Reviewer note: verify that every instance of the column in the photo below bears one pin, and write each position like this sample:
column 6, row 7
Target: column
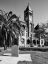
column 25, row 37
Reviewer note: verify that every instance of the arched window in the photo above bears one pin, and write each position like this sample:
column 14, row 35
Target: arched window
column 28, row 41
column 22, row 30
column 22, row 40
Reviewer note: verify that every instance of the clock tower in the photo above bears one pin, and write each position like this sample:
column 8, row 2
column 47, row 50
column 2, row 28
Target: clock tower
column 28, row 17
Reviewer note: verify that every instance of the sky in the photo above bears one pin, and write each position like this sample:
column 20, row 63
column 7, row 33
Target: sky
column 39, row 7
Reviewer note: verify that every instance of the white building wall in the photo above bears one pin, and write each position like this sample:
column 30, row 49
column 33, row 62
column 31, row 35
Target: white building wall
column 21, row 44
column 25, row 38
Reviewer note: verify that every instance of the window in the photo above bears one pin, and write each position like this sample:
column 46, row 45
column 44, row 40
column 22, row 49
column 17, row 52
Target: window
column 41, row 41
column 22, row 31
column 28, row 41
column 22, row 40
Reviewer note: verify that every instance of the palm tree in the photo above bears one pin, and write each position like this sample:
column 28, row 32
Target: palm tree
column 2, row 22
column 9, row 24
column 14, row 26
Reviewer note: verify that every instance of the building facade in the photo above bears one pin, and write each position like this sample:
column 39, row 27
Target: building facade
column 22, row 36
column 42, row 34
column 28, row 18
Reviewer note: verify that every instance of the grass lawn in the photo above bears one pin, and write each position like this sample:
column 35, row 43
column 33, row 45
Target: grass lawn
column 37, row 57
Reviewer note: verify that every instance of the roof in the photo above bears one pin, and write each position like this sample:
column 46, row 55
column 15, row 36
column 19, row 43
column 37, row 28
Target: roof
column 28, row 8
column 22, row 21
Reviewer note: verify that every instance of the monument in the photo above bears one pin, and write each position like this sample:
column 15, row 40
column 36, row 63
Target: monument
column 15, row 48
column 15, row 51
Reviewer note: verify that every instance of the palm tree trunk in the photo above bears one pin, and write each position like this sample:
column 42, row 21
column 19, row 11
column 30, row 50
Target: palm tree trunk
column 5, row 42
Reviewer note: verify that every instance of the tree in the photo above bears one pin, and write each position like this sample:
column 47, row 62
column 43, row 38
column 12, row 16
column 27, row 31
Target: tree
column 39, row 31
column 14, row 26
column 9, row 25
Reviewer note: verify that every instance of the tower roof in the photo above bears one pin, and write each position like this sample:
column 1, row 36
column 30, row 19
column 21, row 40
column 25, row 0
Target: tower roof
column 29, row 7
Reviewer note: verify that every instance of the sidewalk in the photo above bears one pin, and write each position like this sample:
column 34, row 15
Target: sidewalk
column 14, row 60
column 6, row 58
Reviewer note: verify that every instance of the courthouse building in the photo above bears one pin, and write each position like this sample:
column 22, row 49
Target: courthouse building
column 27, row 28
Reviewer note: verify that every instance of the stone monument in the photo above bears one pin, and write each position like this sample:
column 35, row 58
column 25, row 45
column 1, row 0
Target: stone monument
column 15, row 51
column 15, row 48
